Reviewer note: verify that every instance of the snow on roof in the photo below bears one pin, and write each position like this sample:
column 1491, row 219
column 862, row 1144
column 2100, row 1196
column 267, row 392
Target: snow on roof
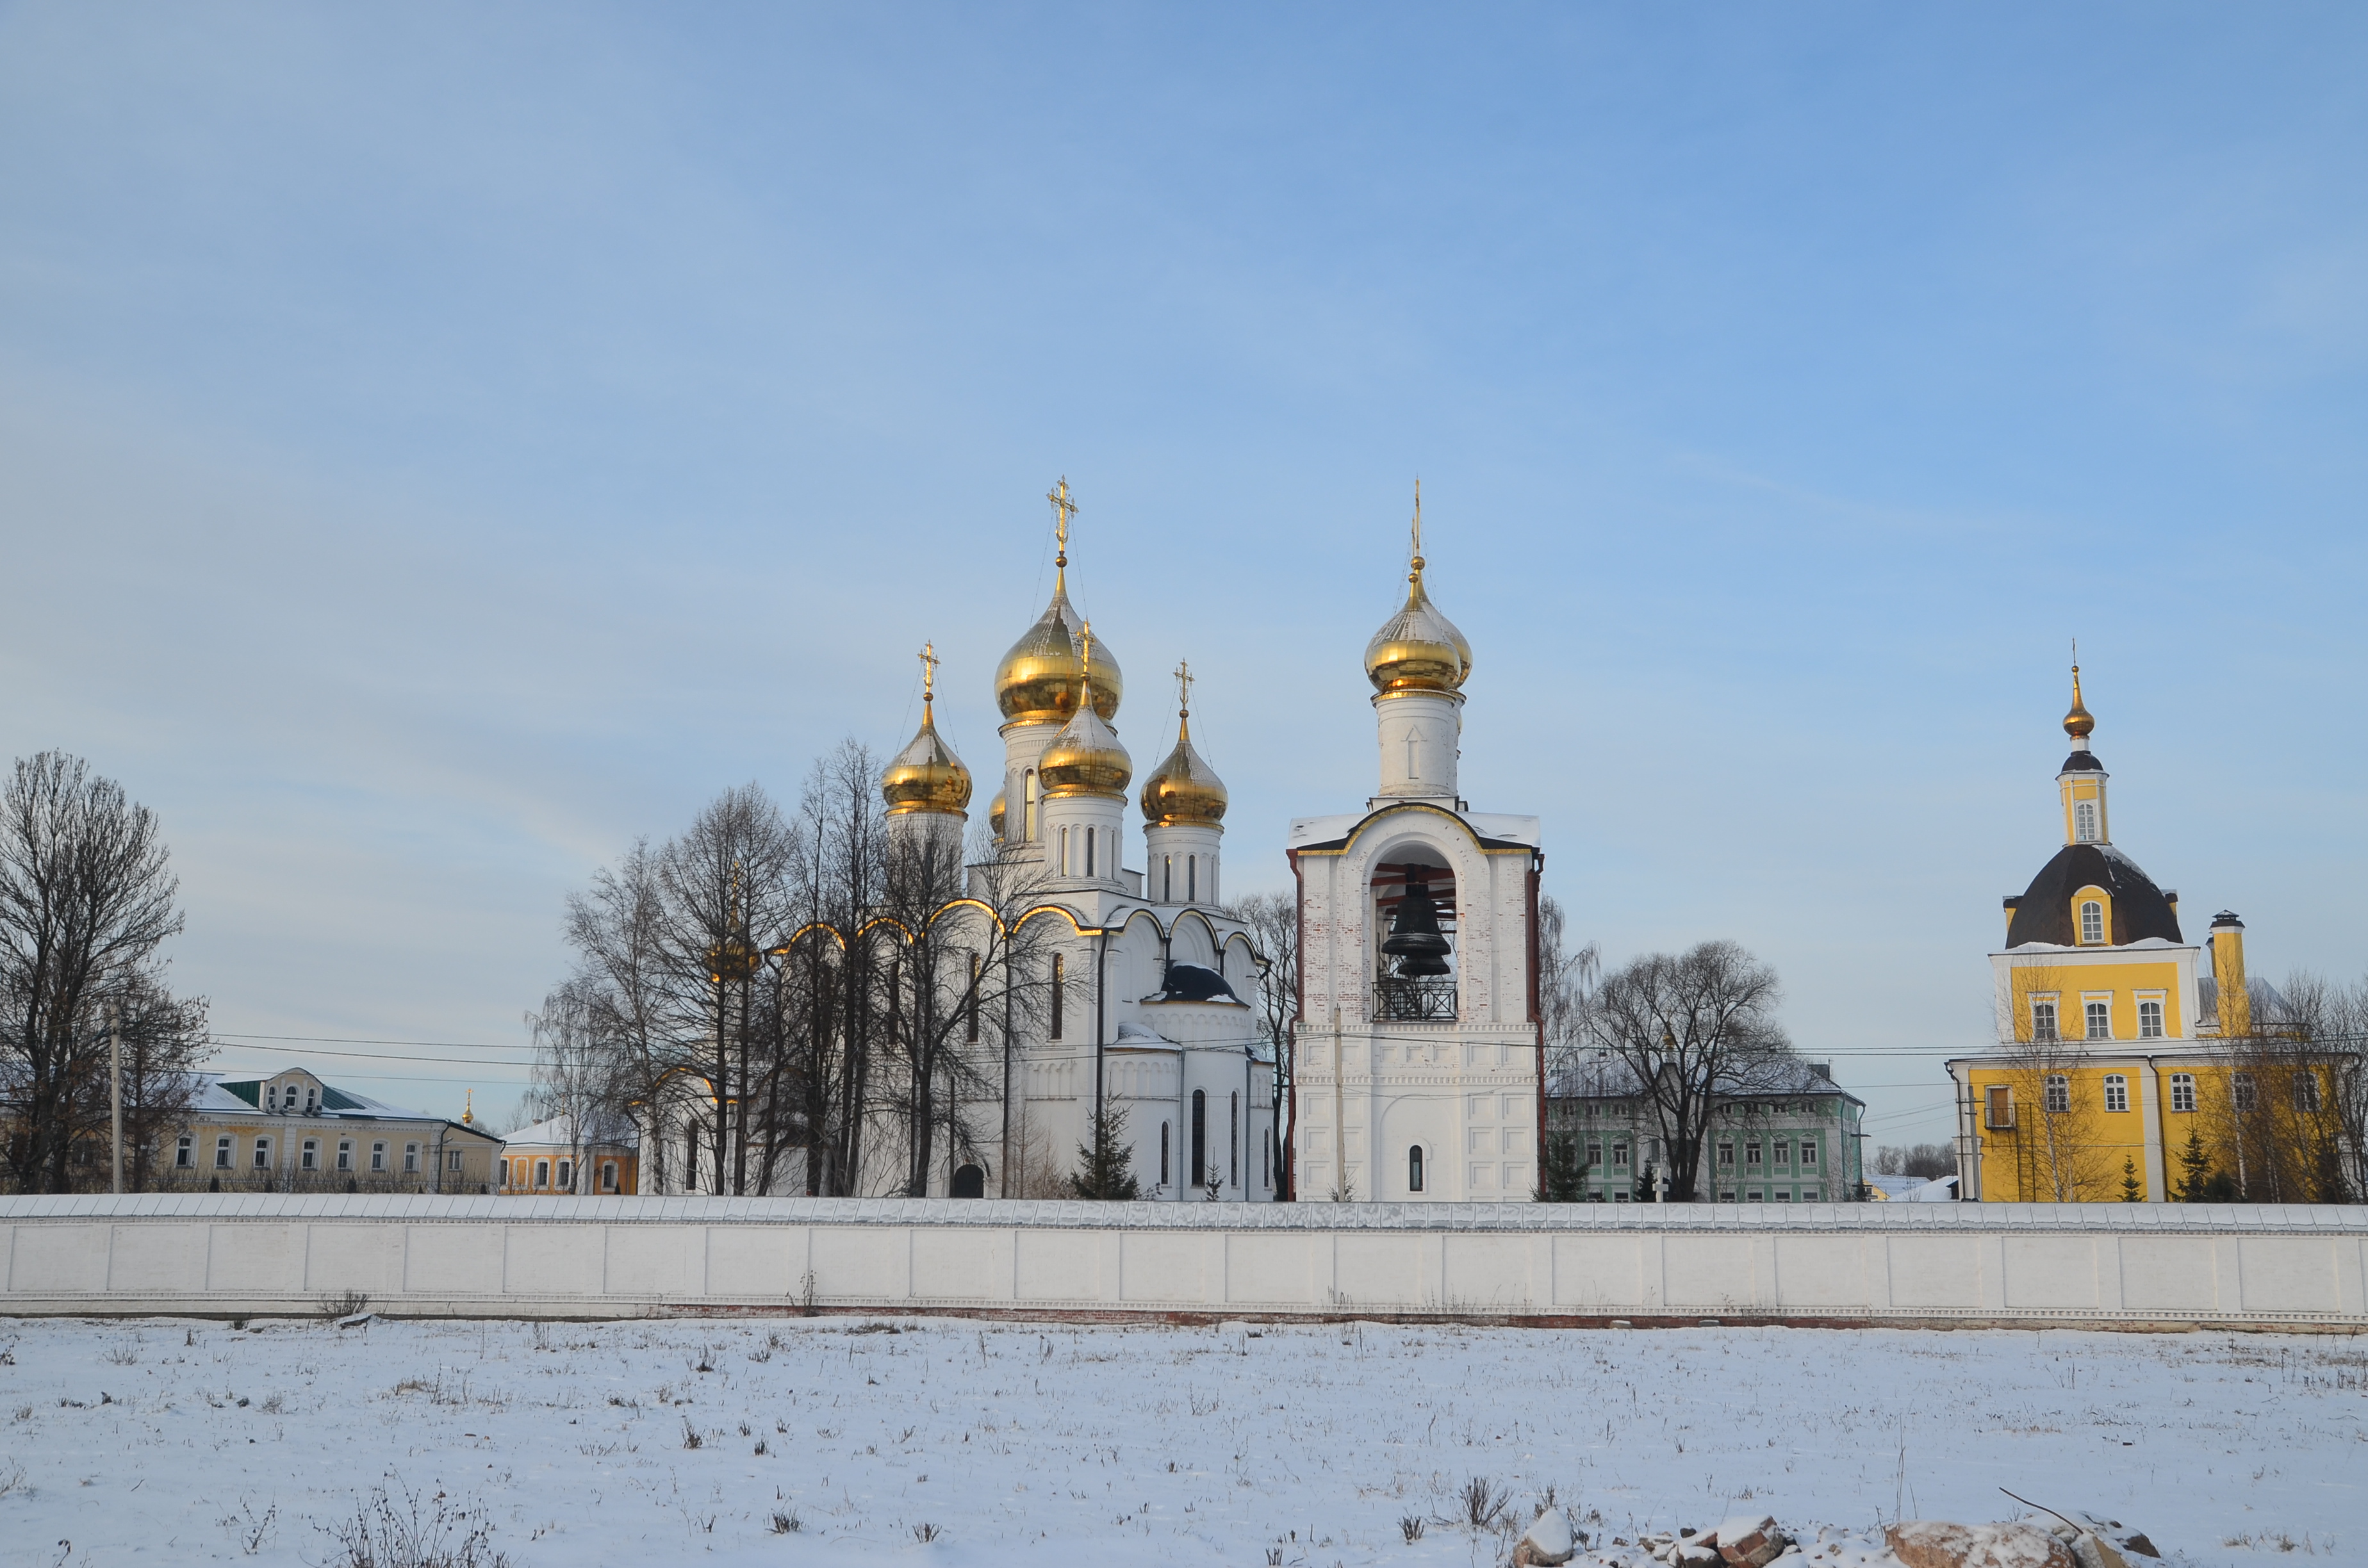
column 559, row 1132
column 235, row 1092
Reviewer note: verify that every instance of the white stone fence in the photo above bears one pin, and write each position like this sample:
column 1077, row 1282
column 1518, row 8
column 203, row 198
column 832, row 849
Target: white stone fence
column 2149, row 1265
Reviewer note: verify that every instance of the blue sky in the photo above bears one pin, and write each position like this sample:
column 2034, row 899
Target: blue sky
column 439, row 444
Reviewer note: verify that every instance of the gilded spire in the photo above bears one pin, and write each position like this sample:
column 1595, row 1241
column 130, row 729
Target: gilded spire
column 2077, row 723
column 1085, row 758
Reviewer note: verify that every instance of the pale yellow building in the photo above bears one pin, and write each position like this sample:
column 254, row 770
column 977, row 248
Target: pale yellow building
column 2128, row 1064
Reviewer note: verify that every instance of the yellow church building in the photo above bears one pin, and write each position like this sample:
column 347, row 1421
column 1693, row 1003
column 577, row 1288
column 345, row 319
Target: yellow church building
column 2129, row 1063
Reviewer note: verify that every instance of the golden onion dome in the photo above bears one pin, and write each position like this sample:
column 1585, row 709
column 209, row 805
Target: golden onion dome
column 994, row 815
column 1039, row 679
column 1417, row 649
column 1085, row 758
column 926, row 776
column 1183, row 790
column 2078, row 723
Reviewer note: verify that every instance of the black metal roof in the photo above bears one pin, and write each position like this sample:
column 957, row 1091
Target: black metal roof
column 2044, row 914
column 2082, row 761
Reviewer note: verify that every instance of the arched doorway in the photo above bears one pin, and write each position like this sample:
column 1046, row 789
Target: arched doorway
column 969, row 1181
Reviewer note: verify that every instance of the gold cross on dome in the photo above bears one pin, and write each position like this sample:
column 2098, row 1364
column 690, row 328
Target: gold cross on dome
column 928, row 672
column 1088, row 639
column 1065, row 507
column 1418, row 523
column 1183, row 687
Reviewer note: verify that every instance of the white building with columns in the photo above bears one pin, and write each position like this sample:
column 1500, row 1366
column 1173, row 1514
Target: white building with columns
column 1148, row 993
column 1419, row 1050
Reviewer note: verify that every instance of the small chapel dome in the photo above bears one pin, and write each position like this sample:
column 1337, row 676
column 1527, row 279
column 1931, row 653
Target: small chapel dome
column 994, row 815
column 926, row 776
column 1184, row 790
column 1417, row 649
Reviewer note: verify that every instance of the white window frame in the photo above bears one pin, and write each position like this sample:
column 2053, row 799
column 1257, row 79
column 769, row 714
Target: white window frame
column 2091, row 1005
column 411, row 1159
column 452, row 1159
column 2086, row 817
column 1620, row 1156
column 185, row 1152
column 225, row 1153
column 2057, row 1091
column 378, row 1157
column 2117, row 1093
column 1755, row 1155
column 2182, row 1091
column 2092, row 922
column 566, row 1182
column 2153, row 1016
column 1808, row 1155
column 2046, row 1017
column 608, row 1176
column 543, row 1176
column 344, row 1154
column 2244, row 1092
column 308, row 1157
column 2307, row 1096
column 1780, row 1153
column 263, row 1153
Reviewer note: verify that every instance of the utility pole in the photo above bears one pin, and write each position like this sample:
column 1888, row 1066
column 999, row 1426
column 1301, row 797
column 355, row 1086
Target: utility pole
column 115, row 1091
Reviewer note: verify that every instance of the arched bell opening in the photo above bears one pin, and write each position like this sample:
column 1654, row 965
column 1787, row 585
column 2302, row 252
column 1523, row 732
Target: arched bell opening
column 1413, row 910
column 969, row 1181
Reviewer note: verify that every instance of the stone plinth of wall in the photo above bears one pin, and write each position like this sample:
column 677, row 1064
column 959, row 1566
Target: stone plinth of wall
column 2098, row 1265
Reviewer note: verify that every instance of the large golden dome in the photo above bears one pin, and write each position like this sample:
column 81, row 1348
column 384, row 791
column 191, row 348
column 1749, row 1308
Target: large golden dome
column 1039, row 678
column 1183, row 789
column 926, row 776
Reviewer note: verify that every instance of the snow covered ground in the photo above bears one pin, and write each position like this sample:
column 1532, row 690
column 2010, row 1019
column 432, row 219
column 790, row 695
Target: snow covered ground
column 168, row 1441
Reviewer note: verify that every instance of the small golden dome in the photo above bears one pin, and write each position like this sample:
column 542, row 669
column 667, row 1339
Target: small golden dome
column 1038, row 680
column 2078, row 723
column 1085, row 758
column 926, row 776
column 1417, row 649
column 994, row 815
column 1183, row 790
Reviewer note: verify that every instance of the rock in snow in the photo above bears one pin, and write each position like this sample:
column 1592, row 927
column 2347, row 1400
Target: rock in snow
column 1935, row 1543
column 1752, row 1541
column 1548, row 1540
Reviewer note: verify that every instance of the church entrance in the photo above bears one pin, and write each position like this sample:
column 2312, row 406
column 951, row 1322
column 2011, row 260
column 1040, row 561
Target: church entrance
column 970, row 1182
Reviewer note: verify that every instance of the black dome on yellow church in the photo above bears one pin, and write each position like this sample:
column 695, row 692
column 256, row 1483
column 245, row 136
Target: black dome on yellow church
column 2140, row 909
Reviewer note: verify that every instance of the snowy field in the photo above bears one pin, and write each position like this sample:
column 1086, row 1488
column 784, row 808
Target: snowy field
column 939, row 1441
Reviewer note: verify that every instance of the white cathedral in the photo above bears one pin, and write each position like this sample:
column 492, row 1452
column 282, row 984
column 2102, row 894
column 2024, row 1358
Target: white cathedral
column 1417, row 1041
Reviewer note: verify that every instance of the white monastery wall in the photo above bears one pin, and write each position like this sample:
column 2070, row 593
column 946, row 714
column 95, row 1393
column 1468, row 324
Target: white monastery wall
column 2140, row 1266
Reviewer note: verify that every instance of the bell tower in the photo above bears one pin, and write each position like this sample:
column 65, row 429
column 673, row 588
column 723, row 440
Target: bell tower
column 1419, row 1069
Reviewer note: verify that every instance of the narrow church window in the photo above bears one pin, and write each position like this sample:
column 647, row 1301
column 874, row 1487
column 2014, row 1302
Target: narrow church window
column 1062, row 860
column 2240, row 1090
column 2084, row 821
column 2092, row 922
column 1192, row 878
column 1167, row 879
column 1199, row 1138
column 2182, row 1091
column 2117, row 1092
column 1028, row 804
column 970, row 1005
column 1162, row 1153
column 2100, row 1020
column 1233, row 1143
column 1414, row 1168
column 1090, row 852
column 1060, row 979
column 2149, row 1020
column 2059, row 1094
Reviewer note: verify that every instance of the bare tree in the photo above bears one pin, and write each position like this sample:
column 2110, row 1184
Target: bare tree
column 578, row 1072
column 1272, row 919
column 2049, row 1129
column 87, row 898
column 1566, row 987
column 617, row 929
column 1929, row 1162
column 1690, row 1028
column 164, row 1038
column 2281, row 1120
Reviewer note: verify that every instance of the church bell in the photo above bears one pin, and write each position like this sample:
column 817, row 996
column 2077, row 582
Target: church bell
column 1415, row 939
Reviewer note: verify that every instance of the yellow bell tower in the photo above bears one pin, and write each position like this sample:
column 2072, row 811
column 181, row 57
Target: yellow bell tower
column 2081, row 780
